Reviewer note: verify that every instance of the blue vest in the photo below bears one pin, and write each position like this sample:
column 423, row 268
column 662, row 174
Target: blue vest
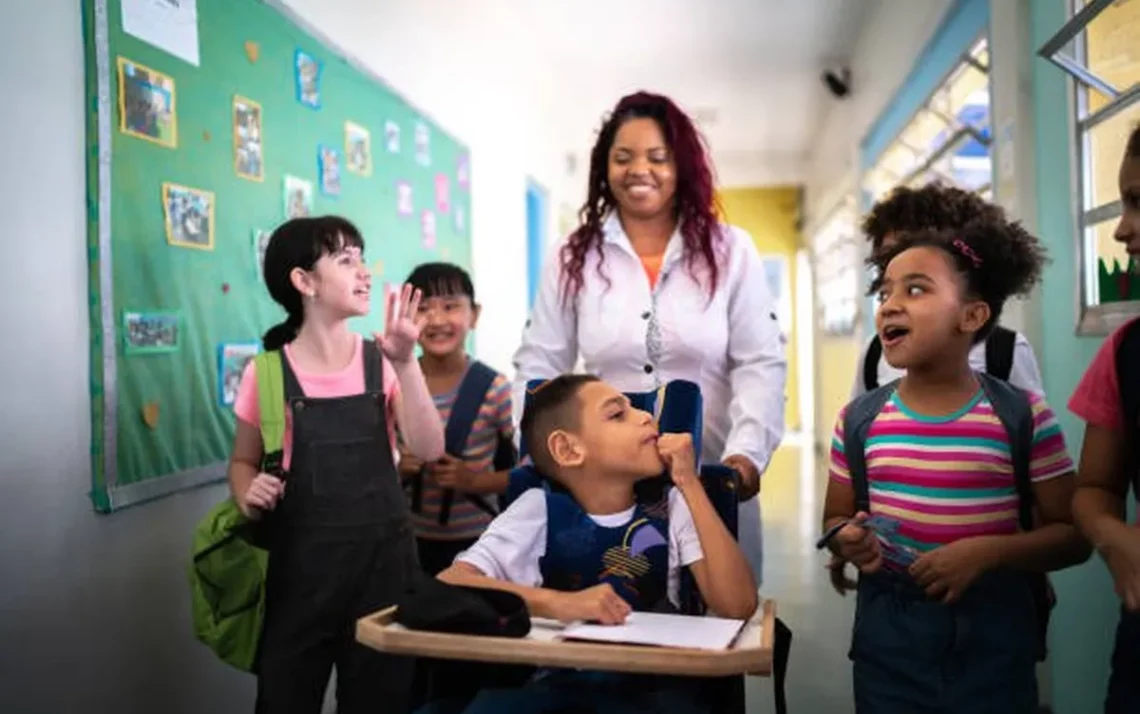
column 633, row 558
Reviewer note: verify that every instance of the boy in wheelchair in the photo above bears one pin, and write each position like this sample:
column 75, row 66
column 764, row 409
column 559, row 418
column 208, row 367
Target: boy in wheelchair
column 587, row 549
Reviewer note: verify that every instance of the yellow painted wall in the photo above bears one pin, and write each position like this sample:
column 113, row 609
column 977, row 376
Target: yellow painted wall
column 837, row 362
column 770, row 215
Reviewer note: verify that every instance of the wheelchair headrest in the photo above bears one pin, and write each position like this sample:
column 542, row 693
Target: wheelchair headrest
column 677, row 406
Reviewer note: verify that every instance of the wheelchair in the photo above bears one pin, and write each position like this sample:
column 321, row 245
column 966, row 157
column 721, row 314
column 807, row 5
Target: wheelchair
column 677, row 407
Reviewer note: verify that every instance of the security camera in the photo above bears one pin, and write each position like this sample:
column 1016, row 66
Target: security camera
column 838, row 83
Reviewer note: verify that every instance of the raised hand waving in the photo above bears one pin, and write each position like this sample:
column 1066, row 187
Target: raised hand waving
column 401, row 328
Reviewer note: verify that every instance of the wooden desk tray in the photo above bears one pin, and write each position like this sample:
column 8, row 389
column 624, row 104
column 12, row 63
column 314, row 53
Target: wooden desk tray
column 750, row 654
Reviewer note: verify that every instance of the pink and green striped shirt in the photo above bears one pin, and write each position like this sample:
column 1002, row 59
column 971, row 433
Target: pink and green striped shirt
column 947, row 478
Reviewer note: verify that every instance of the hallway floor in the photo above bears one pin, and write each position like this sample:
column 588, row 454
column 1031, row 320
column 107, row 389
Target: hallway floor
column 819, row 673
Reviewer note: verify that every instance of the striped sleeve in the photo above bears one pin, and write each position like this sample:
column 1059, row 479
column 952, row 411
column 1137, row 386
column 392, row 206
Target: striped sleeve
column 500, row 399
column 1049, row 457
column 837, row 468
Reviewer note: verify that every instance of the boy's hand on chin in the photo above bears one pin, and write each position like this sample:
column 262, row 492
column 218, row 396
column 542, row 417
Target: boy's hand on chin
column 677, row 452
column 597, row 604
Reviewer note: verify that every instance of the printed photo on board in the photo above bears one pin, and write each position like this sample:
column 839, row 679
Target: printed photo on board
column 150, row 332
column 460, row 220
column 298, row 197
column 232, row 359
column 357, row 149
column 146, row 104
column 247, row 139
column 260, row 243
column 463, row 172
column 442, row 193
column 404, row 205
column 189, row 216
column 308, row 76
column 328, row 164
column 427, row 225
column 423, row 144
column 392, row 137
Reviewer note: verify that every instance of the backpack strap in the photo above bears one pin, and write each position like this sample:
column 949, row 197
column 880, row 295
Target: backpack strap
column 469, row 401
column 999, row 352
column 871, row 364
column 856, row 425
column 1128, row 376
column 271, row 410
column 1011, row 405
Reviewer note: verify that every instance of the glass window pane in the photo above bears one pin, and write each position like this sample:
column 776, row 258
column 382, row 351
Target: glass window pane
column 1106, row 144
column 1114, row 279
column 1112, row 47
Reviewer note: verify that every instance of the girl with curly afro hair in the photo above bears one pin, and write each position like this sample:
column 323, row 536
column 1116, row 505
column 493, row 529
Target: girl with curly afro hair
column 952, row 603
column 652, row 287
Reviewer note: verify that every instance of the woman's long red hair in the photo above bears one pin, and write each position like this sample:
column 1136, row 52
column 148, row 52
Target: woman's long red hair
column 694, row 205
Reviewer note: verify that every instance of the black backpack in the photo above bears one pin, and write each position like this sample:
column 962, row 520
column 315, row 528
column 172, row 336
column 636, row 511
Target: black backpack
column 1011, row 405
column 999, row 357
column 1128, row 375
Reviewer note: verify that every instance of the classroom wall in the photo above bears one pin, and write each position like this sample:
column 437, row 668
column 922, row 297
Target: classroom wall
column 771, row 215
column 94, row 610
column 1082, row 627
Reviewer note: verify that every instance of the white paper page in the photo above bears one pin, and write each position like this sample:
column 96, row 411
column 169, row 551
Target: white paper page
column 170, row 25
column 648, row 628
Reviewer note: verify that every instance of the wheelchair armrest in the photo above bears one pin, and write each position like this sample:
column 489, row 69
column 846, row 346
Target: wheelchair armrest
column 722, row 484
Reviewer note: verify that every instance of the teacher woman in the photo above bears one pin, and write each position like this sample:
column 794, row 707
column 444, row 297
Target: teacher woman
column 651, row 287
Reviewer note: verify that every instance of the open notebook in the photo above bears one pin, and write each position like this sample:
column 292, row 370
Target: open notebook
column 654, row 629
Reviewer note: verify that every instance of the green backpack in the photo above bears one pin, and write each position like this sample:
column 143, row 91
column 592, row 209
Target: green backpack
column 228, row 566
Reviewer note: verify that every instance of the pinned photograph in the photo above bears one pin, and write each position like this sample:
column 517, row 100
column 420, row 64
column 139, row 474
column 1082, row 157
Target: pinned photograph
column 189, row 216
column 328, row 163
column 308, row 77
column 427, row 226
column 404, row 205
column 460, row 220
column 260, row 245
column 357, row 149
column 442, row 193
column 298, row 197
column 232, row 359
column 151, row 332
column 392, row 137
column 423, row 144
column 463, row 172
column 147, row 104
column 247, row 139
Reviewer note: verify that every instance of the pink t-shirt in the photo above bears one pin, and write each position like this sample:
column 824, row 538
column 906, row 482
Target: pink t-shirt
column 1096, row 399
column 345, row 383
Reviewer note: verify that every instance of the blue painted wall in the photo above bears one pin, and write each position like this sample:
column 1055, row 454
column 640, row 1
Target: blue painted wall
column 1082, row 627
column 535, row 238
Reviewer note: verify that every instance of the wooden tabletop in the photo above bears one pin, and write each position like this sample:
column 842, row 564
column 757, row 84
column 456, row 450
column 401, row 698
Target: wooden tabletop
column 751, row 653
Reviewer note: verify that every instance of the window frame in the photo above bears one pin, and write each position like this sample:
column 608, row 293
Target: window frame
column 840, row 224
column 1093, row 318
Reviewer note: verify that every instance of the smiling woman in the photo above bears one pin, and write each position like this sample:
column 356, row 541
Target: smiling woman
column 651, row 287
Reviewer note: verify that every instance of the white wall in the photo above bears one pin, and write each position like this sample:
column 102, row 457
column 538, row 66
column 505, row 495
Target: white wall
column 94, row 610
column 893, row 35
column 474, row 69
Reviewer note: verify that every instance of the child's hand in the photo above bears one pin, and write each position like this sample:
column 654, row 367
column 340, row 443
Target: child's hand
column 837, row 573
column 859, row 545
column 262, row 495
column 409, row 465
column 597, row 604
column 677, row 452
column 450, row 472
column 401, row 328
column 946, row 572
column 1122, row 555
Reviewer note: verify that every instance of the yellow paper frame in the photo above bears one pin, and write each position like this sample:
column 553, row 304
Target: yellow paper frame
column 259, row 178
column 173, row 141
column 348, row 165
column 167, row 188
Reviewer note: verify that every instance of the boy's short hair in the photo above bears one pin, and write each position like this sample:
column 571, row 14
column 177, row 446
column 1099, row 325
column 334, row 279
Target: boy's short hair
column 934, row 207
column 551, row 406
column 442, row 280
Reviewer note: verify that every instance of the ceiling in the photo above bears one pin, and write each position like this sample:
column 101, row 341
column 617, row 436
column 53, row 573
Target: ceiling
column 748, row 70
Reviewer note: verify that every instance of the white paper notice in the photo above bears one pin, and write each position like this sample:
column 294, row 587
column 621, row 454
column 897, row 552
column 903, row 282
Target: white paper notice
column 649, row 628
column 170, row 25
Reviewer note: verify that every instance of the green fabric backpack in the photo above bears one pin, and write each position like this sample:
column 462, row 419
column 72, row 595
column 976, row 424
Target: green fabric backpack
column 228, row 564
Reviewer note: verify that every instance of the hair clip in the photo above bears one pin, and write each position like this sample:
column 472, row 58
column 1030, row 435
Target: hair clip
column 968, row 252
column 535, row 390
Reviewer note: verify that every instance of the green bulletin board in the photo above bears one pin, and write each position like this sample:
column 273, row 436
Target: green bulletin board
column 190, row 167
